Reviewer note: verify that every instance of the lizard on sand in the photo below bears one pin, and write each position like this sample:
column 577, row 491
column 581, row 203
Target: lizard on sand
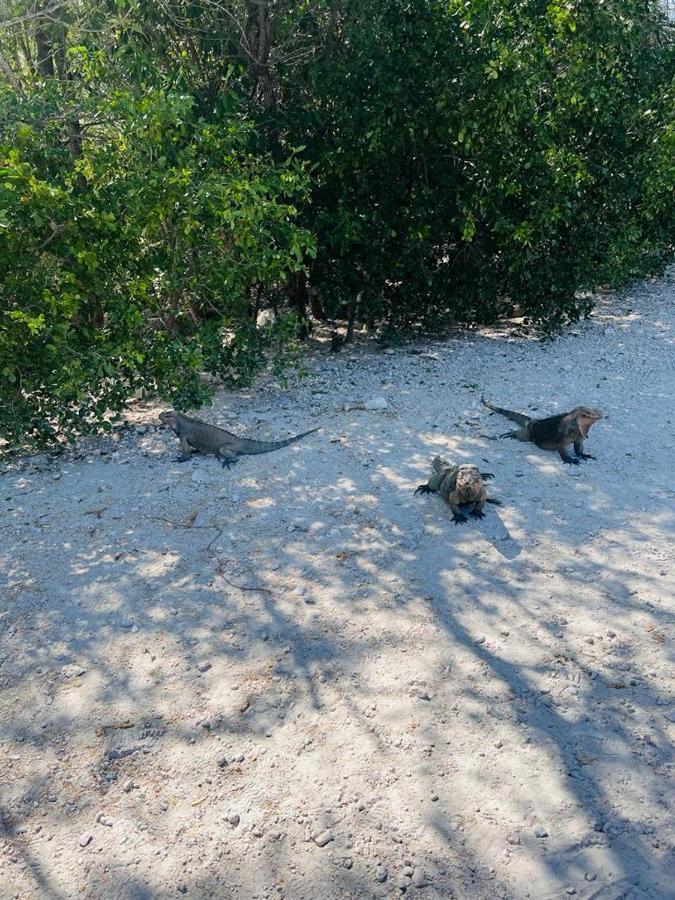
column 461, row 487
column 205, row 438
column 555, row 432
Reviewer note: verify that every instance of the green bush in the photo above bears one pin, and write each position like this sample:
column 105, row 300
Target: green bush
column 134, row 265
column 473, row 154
column 168, row 170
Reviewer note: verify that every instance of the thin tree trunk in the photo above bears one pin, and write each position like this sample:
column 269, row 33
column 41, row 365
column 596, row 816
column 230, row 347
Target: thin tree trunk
column 9, row 75
column 353, row 312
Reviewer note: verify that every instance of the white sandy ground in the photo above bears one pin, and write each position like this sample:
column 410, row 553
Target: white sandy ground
column 303, row 643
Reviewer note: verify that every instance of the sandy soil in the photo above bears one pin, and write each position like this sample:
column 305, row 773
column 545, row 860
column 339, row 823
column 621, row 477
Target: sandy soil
column 296, row 679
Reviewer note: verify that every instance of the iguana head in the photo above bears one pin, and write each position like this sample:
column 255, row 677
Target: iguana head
column 468, row 480
column 169, row 418
column 585, row 417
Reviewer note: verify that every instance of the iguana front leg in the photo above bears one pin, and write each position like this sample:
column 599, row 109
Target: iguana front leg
column 477, row 511
column 458, row 517
column 579, row 450
column 567, row 457
column 185, row 450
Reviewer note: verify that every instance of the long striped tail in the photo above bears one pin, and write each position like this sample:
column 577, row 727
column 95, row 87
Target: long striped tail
column 250, row 447
column 517, row 417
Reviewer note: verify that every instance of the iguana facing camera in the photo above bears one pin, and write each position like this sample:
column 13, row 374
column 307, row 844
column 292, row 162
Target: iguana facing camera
column 461, row 487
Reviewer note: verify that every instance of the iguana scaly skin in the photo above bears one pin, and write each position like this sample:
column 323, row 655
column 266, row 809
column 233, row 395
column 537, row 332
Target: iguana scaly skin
column 461, row 487
column 205, row 438
column 554, row 433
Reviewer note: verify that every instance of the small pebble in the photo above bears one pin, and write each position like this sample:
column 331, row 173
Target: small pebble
column 85, row 839
column 275, row 835
column 181, row 888
column 234, row 820
column 324, row 838
column 128, row 786
column 540, row 832
column 348, row 862
column 222, row 762
column 381, row 874
column 204, row 667
column 408, row 870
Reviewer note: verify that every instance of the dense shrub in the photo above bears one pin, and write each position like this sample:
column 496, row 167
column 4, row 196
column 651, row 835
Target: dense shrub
column 167, row 170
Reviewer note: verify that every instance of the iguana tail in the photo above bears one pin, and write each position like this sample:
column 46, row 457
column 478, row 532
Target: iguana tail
column 514, row 416
column 440, row 464
column 250, row 447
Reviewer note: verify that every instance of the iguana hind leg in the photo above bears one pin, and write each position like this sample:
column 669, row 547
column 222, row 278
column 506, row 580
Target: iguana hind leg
column 227, row 459
column 520, row 434
column 579, row 450
column 424, row 489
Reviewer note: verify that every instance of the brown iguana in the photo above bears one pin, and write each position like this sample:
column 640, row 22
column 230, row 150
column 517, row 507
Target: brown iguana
column 461, row 487
column 205, row 438
column 555, row 432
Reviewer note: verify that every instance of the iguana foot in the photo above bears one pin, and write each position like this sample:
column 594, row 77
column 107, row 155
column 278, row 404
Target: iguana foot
column 460, row 520
column 486, row 476
column 180, row 458
column 585, row 456
column 570, row 460
column 230, row 461
column 478, row 514
column 424, row 489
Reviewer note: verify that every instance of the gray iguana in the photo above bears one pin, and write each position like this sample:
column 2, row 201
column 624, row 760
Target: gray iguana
column 462, row 488
column 555, row 432
column 205, row 438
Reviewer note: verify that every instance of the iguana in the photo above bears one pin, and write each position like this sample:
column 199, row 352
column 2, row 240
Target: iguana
column 205, row 438
column 555, row 432
column 461, row 487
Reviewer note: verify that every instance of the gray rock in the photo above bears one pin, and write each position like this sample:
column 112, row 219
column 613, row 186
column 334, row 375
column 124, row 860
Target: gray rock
column 181, row 888
column 324, row 838
column 234, row 820
column 128, row 786
column 540, row 831
column 275, row 835
column 381, row 874
column 408, row 870
column 85, row 839
column 402, row 884
column 348, row 862
column 418, row 878
column 204, row 667
column 222, row 762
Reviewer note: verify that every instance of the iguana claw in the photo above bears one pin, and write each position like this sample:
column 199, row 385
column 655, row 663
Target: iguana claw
column 424, row 489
